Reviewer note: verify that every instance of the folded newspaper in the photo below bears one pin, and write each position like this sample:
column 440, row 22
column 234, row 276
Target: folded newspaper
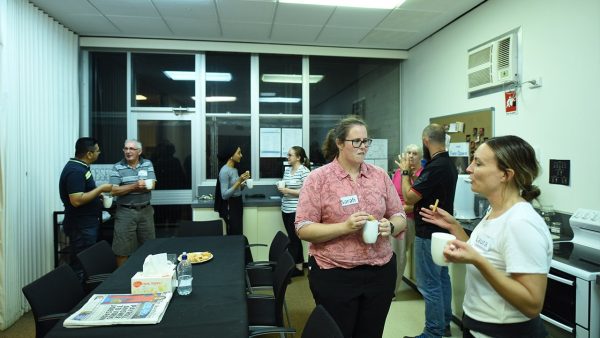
column 114, row 309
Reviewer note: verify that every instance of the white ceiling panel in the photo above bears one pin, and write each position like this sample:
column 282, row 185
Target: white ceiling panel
column 246, row 31
column 302, row 15
column 258, row 21
column 201, row 10
column 191, row 28
column 298, row 33
column 125, row 7
column 246, row 11
column 356, row 17
column 339, row 36
column 140, row 26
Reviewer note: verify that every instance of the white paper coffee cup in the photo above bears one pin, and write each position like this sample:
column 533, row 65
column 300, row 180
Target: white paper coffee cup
column 107, row 200
column 149, row 183
column 250, row 183
column 370, row 232
column 280, row 184
column 438, row 243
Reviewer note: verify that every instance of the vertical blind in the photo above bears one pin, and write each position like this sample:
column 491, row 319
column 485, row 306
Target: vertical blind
column 39, row 119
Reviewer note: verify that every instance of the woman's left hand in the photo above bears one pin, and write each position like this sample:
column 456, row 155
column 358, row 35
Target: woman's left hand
column 460, row 252
column 385, row 227
column 283, row 191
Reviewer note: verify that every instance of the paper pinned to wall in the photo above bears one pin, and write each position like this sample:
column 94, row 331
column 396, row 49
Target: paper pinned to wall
column 290, row 137
column 458, row 149
column 378, row 149
column 270, row 142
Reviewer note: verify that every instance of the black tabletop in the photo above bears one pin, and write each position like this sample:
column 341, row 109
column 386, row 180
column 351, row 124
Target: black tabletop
column 215, row 308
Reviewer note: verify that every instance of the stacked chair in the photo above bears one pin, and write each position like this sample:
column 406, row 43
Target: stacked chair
column 98, row 262
column 52, row 296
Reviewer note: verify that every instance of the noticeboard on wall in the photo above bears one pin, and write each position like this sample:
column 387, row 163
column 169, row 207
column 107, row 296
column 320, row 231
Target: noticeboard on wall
column 472, row 127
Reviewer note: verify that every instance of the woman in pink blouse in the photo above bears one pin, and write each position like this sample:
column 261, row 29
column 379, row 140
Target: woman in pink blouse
column 353, row 280
column 403, row 244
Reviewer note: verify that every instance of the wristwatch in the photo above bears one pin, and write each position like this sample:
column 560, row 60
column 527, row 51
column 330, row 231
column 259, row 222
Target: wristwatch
column 405, row 172
column 392, row 227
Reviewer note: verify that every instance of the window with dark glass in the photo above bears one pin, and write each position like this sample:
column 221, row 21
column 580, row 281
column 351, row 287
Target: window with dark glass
column 227, row 83
column 163, row 80
column 108, row 103
column 280, row 90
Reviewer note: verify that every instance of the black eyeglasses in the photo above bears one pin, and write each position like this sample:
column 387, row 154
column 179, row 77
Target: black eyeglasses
column 358, row 142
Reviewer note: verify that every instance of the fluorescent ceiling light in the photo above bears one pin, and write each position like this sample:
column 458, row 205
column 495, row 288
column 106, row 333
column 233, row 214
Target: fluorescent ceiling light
column 263, row 94
column 139, row 97
column 279, row 99
column 381, row 4
column 290, row 78
column 221, row 99
column 191, row 76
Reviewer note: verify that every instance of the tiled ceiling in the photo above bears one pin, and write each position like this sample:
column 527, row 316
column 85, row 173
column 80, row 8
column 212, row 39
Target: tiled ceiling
column 260, row 21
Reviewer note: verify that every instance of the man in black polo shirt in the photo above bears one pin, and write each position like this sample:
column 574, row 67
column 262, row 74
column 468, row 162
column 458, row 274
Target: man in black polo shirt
column 436, row 182
column 80, row 196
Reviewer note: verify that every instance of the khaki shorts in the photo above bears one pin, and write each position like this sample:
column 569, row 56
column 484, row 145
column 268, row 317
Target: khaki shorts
column 132, row 228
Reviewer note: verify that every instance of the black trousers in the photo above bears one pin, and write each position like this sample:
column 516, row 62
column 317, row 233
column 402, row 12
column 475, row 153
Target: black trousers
column 358, row 299
column 295, row 247
column 235, row 219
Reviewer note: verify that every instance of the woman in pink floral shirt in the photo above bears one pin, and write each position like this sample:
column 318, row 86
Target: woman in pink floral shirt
column 353, row 280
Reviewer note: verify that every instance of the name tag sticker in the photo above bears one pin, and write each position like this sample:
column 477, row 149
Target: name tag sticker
column 143, row 173
column 483, row 242
column 349, row 200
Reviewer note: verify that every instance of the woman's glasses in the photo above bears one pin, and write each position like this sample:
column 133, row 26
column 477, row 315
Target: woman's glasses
column 357, row 143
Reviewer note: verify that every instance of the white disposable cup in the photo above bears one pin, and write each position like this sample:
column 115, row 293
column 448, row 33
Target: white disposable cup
column 250, row 183
column 107, row 200
column 438, row 243
column 280, row 184
column 370, row 232
column 149, row 183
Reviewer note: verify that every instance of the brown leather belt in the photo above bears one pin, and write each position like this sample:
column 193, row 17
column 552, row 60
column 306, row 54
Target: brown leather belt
column 136, row 207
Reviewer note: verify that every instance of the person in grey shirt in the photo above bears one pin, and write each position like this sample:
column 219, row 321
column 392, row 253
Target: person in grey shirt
column 228, row 191
column 134, row 219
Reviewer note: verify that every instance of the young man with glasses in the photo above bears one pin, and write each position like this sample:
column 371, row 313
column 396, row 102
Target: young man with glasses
column 134, row 218
column 81, row 198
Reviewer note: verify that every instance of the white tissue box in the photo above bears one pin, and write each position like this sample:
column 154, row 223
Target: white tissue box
column 153, row 284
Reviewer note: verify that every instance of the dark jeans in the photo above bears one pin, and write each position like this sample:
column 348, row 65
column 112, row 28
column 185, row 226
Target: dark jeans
column 83, row 233
column 358, row 299
column 235, row 219
column 295, row 247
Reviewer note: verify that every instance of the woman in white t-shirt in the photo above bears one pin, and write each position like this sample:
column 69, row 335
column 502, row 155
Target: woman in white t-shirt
column 293, row 178
column 509, row 252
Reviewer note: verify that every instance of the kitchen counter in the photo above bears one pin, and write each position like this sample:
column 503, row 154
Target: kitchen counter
column 267, row 201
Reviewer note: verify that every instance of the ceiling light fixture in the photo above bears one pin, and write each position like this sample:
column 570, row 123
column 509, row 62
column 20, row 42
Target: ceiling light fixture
column 290, row 78
column 380, row 4
column 279, row 99
column 140, row 97
column 221, row 99
column 191, row 76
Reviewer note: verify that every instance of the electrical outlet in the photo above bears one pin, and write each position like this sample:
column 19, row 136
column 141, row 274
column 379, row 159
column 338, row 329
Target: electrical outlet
column 537, row 84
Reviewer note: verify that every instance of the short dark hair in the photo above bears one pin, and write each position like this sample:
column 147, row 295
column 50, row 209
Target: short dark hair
column 85, row 144
column 435, row 133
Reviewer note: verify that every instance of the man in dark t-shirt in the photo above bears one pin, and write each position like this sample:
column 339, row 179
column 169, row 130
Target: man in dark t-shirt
column 436, row 182
column 80, row 197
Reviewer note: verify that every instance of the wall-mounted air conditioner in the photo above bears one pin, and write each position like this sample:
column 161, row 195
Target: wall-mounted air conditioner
column 493, row 64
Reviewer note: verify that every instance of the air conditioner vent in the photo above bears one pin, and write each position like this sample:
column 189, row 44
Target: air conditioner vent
column 480, row 77
column 504, row 53
column 492, row 64
column 481, row 57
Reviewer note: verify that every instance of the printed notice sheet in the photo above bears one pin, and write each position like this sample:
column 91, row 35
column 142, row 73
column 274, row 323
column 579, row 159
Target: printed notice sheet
column 117, row 309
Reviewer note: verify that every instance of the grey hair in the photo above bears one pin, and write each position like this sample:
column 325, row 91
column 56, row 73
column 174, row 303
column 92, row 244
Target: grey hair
column 138, row 144
column 414, row 147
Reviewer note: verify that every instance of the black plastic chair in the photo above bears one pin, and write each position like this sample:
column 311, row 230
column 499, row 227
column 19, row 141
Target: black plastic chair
column 98, row 262
column 320, row 324
column 52, row 296
column 265, row 312
column 199, row 228
column 260, row 273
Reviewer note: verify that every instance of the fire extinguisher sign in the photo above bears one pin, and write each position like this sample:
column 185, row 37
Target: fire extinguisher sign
column 510, row 101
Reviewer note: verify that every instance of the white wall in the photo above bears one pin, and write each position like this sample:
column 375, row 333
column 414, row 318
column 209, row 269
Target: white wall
column 559, row 41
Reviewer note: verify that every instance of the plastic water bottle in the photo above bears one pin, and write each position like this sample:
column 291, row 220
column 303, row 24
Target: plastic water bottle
column 184, row 276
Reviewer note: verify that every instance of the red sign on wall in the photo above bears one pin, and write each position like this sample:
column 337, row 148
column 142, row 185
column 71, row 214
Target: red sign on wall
column 510, row 101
